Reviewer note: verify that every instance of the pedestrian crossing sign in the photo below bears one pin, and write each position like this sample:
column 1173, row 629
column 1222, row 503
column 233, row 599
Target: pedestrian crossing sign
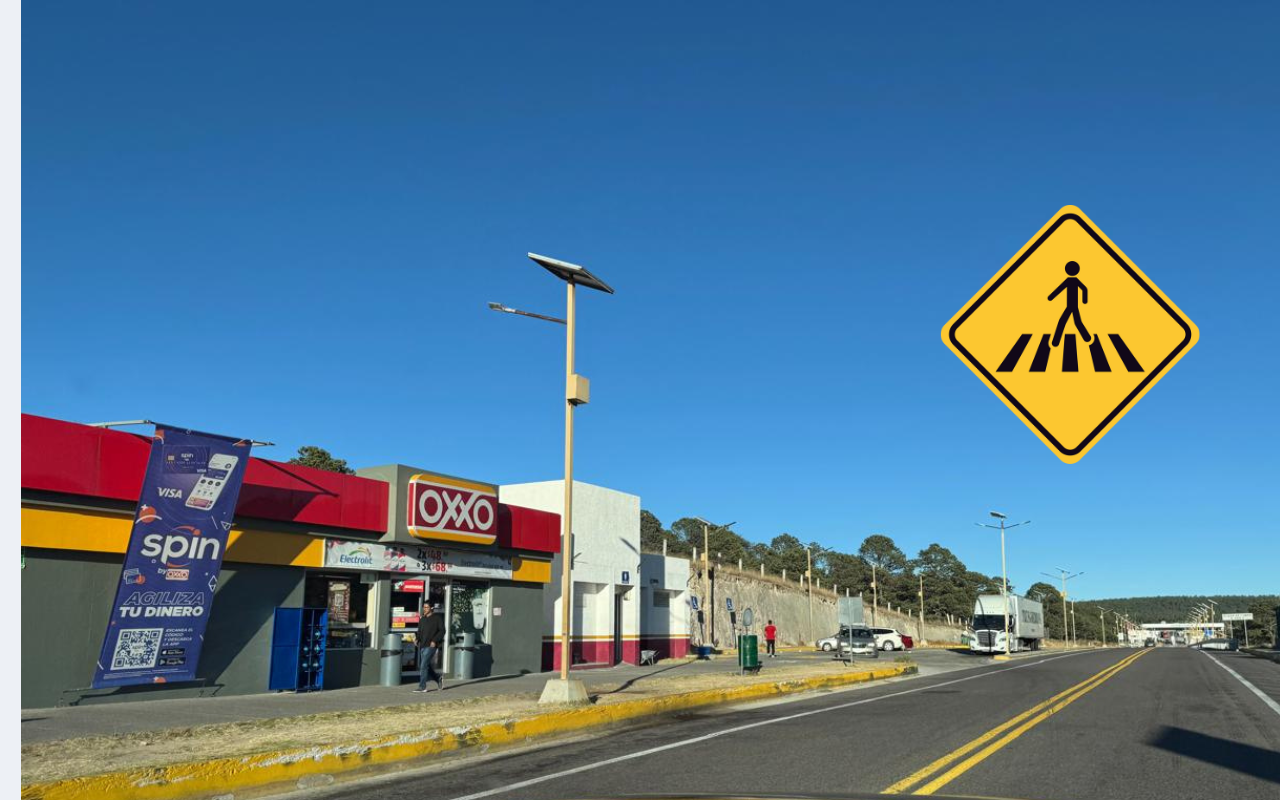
column 1070, row 334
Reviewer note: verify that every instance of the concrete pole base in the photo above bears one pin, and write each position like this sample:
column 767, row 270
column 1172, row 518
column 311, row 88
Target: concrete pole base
column 571, row 692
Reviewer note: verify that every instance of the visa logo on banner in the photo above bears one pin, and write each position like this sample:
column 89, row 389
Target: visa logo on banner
column 451, row 509
column 169, row 492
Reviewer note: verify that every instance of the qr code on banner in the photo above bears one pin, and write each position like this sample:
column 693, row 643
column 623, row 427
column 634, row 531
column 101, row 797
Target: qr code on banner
column 137, row 649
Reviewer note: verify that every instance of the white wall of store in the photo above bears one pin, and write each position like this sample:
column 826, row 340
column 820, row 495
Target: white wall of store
column 606, row 527
column 668, row 575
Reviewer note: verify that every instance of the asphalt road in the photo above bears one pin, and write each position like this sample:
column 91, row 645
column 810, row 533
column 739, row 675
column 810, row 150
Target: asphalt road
column 1125, row 724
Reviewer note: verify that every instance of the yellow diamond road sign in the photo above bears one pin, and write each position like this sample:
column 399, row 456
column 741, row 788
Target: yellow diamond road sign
column 1070, row 334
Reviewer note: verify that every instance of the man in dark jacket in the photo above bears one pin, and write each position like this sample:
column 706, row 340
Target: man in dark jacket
column 430, row 637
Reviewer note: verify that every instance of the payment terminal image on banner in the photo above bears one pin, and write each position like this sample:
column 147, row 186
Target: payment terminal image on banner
column 209, row 487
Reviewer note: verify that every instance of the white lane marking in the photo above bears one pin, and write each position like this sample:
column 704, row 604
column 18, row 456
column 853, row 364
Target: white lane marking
column 1272, row 704
column 511, row 787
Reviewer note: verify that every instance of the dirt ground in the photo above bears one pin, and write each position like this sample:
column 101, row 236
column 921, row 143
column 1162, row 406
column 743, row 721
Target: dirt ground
column 71, row 758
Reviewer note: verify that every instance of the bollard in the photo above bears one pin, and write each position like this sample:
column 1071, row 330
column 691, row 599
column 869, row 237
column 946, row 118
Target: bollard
column 392, row 648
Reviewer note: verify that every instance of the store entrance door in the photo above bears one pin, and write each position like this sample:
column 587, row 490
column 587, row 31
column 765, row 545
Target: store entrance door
column 410, row 596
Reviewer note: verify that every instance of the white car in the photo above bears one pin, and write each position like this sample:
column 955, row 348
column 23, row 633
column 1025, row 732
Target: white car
column 888, row 639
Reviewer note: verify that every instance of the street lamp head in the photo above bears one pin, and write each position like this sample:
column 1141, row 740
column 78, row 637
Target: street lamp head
column 714, row 525
column 998, row 515
column 571, row 273
column 497, row 307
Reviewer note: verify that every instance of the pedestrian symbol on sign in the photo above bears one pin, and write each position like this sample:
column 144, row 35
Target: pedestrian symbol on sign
column 1069, row 392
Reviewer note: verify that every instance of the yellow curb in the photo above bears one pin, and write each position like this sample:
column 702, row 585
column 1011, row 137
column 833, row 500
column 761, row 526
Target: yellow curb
column 226, row 775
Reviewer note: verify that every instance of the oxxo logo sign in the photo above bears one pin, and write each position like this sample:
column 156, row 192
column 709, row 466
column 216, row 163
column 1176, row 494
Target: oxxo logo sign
column 451, row 509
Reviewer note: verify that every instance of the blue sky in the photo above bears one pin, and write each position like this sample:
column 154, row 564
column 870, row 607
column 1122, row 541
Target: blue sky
column 284, row 221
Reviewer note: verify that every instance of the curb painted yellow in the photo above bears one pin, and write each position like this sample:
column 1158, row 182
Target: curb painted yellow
column 284, row 768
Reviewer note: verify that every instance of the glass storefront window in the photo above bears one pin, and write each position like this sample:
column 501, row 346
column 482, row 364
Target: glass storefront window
column 469, row 610
column 347, row 600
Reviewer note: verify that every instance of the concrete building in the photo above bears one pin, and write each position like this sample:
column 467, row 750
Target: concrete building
column 665, row 611
column 622, row 602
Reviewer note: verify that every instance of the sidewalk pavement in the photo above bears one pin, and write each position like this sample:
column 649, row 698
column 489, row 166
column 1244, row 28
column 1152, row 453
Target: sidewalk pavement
column 1271, row 654
column 108, row 718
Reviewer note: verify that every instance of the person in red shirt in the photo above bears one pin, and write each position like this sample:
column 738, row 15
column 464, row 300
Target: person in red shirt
column 770, row 638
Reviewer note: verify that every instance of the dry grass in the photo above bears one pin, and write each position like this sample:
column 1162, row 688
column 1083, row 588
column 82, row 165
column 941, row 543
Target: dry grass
column 69, row 758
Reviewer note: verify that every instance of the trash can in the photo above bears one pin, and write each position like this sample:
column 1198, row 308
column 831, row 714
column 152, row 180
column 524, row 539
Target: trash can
column 466, row 655
column 704, row 652
column 748, row 652
column 392, row 648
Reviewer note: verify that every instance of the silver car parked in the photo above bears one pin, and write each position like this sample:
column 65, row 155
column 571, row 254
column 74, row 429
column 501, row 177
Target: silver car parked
column 859, row 642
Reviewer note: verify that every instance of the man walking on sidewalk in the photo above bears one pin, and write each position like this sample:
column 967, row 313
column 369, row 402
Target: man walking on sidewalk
column 770, row 639
column 430, row 635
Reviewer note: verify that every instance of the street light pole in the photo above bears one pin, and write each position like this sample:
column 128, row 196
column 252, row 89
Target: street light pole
column 808, row 576
column 577, row 392
column 875, row 597
column 1075, row 640
column 1004, row 580
column 1064, row 577
column 709, row 609
column 1004, row 572
column 921, row 626
column 566, row 524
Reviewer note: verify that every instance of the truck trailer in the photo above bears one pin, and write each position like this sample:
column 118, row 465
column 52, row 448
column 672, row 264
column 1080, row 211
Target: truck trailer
column 1026, row 624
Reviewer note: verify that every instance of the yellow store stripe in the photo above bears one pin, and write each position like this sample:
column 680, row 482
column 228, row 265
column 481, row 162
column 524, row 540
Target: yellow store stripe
column 102, row 532
column 431, row 534
column 461, row 483
column 531, row 570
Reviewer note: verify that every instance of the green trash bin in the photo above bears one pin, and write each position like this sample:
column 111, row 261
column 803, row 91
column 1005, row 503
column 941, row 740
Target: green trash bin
column 748, row 652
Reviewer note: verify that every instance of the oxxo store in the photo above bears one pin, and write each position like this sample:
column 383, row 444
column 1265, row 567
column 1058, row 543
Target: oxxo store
column 301, row 537
column 449, row 544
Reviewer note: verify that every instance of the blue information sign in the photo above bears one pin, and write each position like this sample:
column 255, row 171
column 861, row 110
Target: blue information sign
column 171, row 565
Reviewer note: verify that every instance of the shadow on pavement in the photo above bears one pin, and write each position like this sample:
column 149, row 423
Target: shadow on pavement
column 1250, row 760
column 628, row 684
column 487, row 679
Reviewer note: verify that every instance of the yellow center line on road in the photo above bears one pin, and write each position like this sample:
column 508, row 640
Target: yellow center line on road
column 1088, row 683
column 980, row 756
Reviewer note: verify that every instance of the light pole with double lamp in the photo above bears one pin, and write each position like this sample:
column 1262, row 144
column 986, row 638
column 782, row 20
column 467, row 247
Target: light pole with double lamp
column 1004, row 571
column 577, row 392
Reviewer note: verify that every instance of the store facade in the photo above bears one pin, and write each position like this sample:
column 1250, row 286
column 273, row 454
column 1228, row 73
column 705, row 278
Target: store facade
column 370, row 549
column 449, row 543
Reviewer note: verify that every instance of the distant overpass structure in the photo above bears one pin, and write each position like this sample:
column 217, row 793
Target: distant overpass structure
column 1181, row 632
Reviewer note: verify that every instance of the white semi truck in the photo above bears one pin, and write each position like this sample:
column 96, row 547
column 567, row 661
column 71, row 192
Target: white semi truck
column 1026, row 624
